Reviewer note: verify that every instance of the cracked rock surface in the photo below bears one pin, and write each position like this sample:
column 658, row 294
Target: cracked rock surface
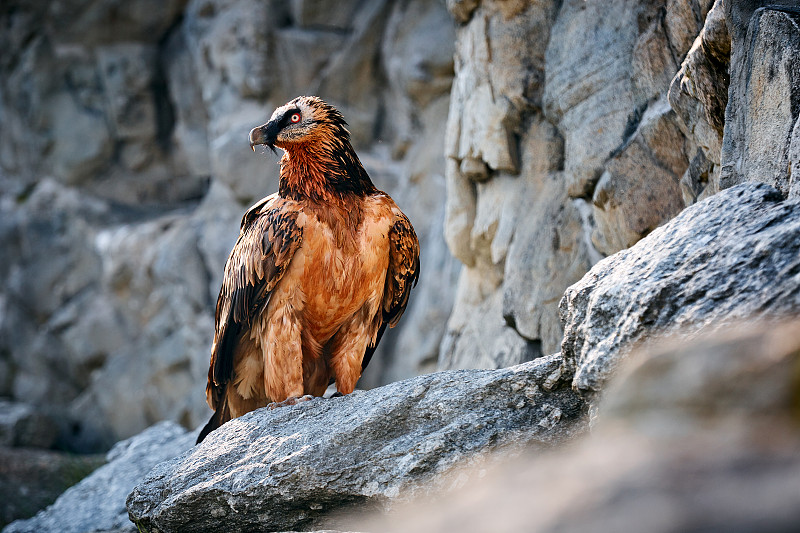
column 733, row 256
column 290, row 468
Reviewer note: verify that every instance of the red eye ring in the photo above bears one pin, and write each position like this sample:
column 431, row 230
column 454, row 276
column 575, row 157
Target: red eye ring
column 295, row 118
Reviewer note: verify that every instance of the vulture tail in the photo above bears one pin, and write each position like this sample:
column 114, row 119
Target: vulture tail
column 220, row 416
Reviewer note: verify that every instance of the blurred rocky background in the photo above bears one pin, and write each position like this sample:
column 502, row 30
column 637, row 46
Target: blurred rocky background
column 126, row 170
column 527, row 140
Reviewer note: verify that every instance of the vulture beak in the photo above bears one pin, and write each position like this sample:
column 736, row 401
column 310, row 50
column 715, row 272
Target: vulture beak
column 266, row 135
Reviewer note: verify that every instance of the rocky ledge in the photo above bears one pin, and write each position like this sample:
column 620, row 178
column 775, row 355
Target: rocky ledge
column 289, row 468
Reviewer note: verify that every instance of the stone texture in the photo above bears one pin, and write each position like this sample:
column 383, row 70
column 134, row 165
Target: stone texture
column 503, row 157
column 585, row 101
column 691, row 436
column 586, row 97
column 21, row 425
column 640, row 188
column 35, row 288
column 764, row 102
column 97, row 503
column 290, row 468
column 699, row 92
column 733, row 256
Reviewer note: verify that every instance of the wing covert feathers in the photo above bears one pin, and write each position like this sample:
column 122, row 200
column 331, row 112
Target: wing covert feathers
column 403, row 269
column 269, row 237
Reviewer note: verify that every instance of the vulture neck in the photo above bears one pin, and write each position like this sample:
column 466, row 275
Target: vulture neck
column 324, row 173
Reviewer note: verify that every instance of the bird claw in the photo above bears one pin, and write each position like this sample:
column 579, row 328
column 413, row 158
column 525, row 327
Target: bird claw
column 291, row 400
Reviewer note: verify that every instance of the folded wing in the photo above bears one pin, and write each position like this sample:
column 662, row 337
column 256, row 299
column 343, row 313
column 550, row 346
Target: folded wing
column 268, row 239
column 401, row 276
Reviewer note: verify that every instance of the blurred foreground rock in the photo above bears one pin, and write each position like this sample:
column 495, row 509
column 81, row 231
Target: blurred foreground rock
column 734, row 256
column 692, row 436
column 292, row 467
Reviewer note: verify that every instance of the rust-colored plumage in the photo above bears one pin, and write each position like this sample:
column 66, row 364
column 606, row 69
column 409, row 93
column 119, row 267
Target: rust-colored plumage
column 318, row 272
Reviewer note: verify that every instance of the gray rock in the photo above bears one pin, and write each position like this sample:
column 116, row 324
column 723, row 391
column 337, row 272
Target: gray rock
column 640, row 186
column 584, row 101
column 98, row 21
column 155, row 281
column 81, row 144
column 190, row 133
column 35, row 289
column 495, row 81
column 127, row 71
column 691, row 436
column 417, row 51
column 763, row 101
column 697, row 182
column 546, row 252
column 594, row 78
column 733, row 256
column 351, row 79
column 312, row 13
column 97, row 503
column 291, row 467
column 683, row 21
column 22, row 425
column 477, row 335
column 229, row 41
column 504, row 159
column 699, row 92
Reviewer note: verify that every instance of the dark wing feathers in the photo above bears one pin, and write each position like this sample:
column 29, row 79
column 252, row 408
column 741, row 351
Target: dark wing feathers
column 268, row 239
column 403, row 269
column 401, row 276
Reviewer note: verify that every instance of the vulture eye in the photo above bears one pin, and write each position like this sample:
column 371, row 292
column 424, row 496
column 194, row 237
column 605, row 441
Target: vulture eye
column 295, row 118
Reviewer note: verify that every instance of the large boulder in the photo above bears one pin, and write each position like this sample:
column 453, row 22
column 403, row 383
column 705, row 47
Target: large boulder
column 733, row 256
column 698, row 435
column 292, row 467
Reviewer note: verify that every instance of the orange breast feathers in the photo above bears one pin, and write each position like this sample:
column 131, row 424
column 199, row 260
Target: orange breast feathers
column 306, row 298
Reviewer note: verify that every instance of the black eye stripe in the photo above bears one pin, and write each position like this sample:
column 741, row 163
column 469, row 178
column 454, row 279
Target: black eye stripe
column 287, row 117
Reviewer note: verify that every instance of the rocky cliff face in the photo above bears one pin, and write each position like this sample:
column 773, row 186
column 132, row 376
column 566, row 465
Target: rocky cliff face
column 562, row 147
column 663, row 134
column 125, row 168
column 576, row 128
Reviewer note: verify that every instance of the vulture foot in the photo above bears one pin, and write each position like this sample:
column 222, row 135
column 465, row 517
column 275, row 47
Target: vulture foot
column 291, row 400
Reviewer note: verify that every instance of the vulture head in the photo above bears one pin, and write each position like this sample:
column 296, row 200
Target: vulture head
column 304, row 121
